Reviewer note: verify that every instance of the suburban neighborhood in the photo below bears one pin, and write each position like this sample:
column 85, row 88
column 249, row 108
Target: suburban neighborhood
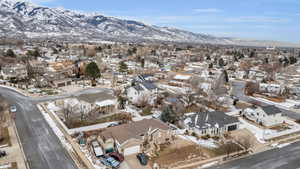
column 84, row 91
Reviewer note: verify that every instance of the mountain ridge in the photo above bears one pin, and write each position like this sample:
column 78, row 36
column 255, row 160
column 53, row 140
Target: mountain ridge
column 19, row 18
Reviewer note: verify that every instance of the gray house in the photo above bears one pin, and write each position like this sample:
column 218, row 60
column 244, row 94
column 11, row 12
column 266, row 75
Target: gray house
column 211, row 123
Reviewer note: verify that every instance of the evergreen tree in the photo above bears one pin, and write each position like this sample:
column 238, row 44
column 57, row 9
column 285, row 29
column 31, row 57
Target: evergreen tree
column 10, row 53
column 123, row 67
column 92, row 71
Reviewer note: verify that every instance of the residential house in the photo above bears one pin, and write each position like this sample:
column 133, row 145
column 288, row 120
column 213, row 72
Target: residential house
column 129, row 138
column 210, row 123
column 17, row 71
column 271, row 88
column 141, row 90
column 265, row 115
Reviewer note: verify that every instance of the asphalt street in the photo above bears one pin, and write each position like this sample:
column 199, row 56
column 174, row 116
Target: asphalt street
column 285, row 158
column 42, row 147
column 238, row 91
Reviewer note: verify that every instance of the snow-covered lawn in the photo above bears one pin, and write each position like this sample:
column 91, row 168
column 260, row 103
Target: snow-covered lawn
column 210, row 143
column 288, row 104
column 265, row 134
column 258, row 132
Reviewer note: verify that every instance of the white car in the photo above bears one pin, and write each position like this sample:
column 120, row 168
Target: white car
column 13, row 108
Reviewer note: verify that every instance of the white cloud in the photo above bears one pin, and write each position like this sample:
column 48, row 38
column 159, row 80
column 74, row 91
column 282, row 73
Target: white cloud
column 41, row 1
column 208, row 10
column 254, row 19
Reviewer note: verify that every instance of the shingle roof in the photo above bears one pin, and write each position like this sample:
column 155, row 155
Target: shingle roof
column 271, row 110
column 149, row 85
column 125, row 132
column 204, row 120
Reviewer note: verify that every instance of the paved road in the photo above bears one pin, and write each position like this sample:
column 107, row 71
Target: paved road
column 284, row 158
column 41, row 146
column 238, row 91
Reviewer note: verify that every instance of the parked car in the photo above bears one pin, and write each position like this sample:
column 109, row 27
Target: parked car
column 105, row 162
column 112, row 162
column 13, row 108
column 143, row 158
column 2, row 153
column 113, row 124
column 297, row 106
column 97, row 149
column 117, row 156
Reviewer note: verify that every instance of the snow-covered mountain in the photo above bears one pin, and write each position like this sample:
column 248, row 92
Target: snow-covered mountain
column 22, row 18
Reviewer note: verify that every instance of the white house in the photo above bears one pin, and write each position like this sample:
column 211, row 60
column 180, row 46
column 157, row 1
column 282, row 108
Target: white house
column 142, row 89
column 211, row 123
column 18, row 71
column 265, row 115
column 271, row 88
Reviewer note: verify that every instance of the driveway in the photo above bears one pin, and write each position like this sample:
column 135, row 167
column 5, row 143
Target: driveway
column 133, row 163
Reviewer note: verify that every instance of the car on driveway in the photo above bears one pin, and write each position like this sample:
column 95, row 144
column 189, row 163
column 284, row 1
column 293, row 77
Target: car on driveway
column 2, row 153
column 143, row 158
column 111, row 162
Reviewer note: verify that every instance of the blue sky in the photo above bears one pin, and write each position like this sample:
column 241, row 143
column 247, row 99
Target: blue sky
column 251, row 19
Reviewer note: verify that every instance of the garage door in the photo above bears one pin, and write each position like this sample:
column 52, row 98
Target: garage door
column 131, row 150
column 232, row 127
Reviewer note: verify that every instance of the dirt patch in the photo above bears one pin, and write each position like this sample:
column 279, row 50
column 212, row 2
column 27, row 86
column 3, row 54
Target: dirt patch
column 6, row 140
column 180, row 150
column 242, row 105
column 14, row 166
column 281, row 127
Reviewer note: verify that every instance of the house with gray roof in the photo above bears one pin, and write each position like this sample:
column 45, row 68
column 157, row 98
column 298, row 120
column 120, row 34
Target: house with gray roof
column 211, row 123
column 265, row 115
column 142, row 90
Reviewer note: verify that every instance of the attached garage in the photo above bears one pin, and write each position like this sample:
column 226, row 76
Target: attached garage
column 131, row 150
column 232, row 127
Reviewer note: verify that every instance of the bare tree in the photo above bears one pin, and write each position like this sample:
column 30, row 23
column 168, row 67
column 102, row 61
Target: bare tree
column 143, row 101
column 251, row 88
column 67, row 113
column 3, row 117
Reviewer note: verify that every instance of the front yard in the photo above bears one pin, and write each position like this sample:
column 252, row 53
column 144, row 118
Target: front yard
column 6, row 139
column 89, row 122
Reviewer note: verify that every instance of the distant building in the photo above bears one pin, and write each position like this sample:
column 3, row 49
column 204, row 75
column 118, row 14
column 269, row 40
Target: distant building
column 17, row 71
column 142, row 89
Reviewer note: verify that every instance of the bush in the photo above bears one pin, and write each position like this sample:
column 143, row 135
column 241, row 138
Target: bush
column 206, row 137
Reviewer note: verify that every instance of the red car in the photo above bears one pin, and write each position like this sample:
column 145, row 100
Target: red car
column 117, row 156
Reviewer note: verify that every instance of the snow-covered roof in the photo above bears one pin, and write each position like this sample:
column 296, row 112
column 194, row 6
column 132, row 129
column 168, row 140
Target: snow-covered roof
column 182, row 77
column 105, row 103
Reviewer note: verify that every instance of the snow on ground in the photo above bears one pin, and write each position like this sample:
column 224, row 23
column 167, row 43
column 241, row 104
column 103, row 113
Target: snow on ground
column 210, row 143
column 258, row 132
column 173, row 89
column 52, row 107
column 56, row 130
column 288, row 104
column 97, row 164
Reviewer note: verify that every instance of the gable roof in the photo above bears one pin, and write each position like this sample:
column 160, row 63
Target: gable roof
column 271, row 110
column 205, row 120
column 149, row 85
column 132, row 130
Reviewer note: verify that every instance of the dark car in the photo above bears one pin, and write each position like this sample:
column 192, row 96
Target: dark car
column 143, row 158
column 117, row 156
column 2, row 154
